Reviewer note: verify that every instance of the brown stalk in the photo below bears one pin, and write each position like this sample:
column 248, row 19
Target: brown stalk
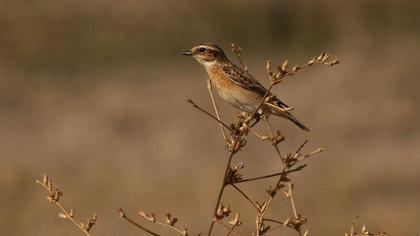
column 283, row 173
column 230, row 229
column 282, row 224
column 170, row 222
column 275, row 144
column 275, row 78
column 259, row 223
column 238, row 51
column 209, row 114
column 290, row 196
column 363, row 231
column 209, row 87
column 54, row 197
column 236, row 140
column 131, row 221
column 224, row 182
column 246, row 197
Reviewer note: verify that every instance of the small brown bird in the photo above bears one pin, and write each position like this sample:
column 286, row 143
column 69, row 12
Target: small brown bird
column 237, row 86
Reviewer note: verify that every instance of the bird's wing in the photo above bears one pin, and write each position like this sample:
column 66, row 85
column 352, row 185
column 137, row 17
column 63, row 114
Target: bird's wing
column 243, row 79
column 281, row 104
column 247, row 81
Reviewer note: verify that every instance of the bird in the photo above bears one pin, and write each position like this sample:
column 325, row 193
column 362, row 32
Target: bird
column 237, row 86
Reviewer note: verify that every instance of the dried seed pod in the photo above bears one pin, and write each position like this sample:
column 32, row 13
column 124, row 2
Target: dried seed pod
column 55, row 196
column 88, row 226
column 287, row 193
column 62, row 215
column 151, row 217
column 364, row 230
column 325, row 58
column 319, row 58
column 45, row 179
column 311, row 62
column 335, row 62
column 268, row 65
column 121, row 212
column 184, row 230
column 71, row 213
column 49, row 185
column 286, row 222
column 284, row 65
column 170, row 220
column 235, row 221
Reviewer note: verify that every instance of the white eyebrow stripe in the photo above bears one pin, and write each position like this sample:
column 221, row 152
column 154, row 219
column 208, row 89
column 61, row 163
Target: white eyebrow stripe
column 208, row 47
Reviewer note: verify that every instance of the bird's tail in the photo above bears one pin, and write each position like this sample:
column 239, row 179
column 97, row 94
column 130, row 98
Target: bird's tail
column 293, row 119
column 277, row 110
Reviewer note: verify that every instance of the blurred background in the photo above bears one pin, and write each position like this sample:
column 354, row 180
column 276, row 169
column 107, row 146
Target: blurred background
column 93, row 93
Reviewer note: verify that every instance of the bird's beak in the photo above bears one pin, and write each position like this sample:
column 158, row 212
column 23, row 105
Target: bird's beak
column 186, row 53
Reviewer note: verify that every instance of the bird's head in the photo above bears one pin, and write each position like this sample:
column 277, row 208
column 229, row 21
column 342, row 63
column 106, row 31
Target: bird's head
column 206, row 54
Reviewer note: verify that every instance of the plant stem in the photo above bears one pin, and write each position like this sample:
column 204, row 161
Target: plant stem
column 219, row 198
column 125, row 217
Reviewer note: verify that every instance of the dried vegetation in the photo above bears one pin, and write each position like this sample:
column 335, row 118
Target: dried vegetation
column 235, row 137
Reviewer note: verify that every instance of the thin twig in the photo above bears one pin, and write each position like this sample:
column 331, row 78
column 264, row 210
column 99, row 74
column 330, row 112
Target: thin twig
column 260, row 217
column 275, row 144
column 170, row 222
column 219, row 198
column 298, row 222
column 301, row 146
column 246, row 197
column 311, row 154
column 292, row 200
column 71, row 218
column 281, row 224
column 275, row 78
column 231, row 230
column 54, row 198
column 278, row 222
column 180, row 231
column 209, row 87
column 209, row 114
column 125, row 217
column 262, row 137
column 284, row 172
column 237, row 50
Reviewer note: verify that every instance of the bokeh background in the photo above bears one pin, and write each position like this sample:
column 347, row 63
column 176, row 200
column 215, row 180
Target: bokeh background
column 93, row 93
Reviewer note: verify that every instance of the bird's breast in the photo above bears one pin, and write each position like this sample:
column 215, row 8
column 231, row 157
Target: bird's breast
column 231, row 92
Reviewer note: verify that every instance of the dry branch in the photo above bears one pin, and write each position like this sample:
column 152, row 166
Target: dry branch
column 235, row 140
column 54, row 197
column 240, row 129
column 131, row 221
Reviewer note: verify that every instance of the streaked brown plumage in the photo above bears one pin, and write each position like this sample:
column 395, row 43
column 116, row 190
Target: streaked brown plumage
column 235, row 85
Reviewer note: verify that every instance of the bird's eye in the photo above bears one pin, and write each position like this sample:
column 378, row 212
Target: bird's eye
column 201, row 49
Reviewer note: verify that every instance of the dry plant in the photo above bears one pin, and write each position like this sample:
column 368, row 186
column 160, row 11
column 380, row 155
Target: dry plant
column 363, row 231
column 291, row 161
column 235, row 138
column 169, row 222
column 54, row 196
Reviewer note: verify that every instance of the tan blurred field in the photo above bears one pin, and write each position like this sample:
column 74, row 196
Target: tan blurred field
column 93, row 93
